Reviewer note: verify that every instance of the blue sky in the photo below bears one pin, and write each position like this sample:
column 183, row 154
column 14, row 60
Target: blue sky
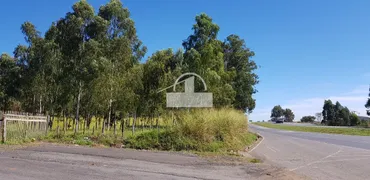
column 308, row 50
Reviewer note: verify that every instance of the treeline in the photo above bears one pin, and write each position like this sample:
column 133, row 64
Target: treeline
column 338, row 115
column 88, row 64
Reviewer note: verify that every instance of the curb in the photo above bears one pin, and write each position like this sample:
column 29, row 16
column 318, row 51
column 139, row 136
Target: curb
column 256, row 144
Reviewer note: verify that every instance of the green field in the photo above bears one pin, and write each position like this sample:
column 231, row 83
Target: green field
column 329, row 130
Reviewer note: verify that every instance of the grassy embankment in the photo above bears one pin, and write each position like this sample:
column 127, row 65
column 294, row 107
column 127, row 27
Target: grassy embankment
column 329, row 130
column 206, row 130
column 201, row 130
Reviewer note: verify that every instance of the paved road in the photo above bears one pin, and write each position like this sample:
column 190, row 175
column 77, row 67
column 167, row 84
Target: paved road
column 58, row 162
column 318, row 156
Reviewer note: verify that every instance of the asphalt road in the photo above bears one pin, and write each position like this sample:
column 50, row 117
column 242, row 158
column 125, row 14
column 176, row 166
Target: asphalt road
column 316, row 155
column 61, row 162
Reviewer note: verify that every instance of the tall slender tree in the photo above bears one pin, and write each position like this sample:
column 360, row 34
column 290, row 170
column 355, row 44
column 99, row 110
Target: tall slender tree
column 367, row 105
column 237, row 58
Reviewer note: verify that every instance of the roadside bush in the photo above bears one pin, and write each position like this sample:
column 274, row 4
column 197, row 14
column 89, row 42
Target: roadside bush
column 308, row 119
column 201, row 130
column 364, row 123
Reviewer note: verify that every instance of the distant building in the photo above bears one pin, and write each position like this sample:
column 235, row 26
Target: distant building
column 364, row 118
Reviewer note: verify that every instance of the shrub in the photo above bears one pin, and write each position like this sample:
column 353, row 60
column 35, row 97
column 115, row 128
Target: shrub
column 309, row 119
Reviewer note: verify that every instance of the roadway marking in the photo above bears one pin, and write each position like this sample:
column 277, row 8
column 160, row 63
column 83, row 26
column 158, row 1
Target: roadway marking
column 352, row 156
column 272, row 149
column 340, row 160
column 317, row 161
column 286, row 131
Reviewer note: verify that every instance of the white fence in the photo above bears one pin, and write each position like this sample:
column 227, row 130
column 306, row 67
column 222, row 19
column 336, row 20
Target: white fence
column 38, row 122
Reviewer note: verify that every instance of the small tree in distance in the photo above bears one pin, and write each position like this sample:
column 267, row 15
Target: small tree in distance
column 354, row 119
column 289, row 115
column 277, row 112
column 367, row 105
column 309, row 119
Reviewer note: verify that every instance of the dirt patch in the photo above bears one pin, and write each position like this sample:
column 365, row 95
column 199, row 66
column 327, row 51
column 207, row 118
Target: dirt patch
column 270, row 172
column 188, row 159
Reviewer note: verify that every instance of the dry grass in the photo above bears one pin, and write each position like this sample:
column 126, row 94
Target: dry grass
column 210, row 130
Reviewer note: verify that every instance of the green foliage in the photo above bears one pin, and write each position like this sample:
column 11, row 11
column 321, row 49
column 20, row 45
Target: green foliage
column 87, row 64
column 237, row 59
column 354, row 119
column 277, row 112
column 338, row 115
column 367, row 105
column 9, row 79
column 289, row 115
column 309, row 119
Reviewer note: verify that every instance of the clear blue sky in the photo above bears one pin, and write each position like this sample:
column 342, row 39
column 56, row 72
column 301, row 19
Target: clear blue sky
column 308, row 50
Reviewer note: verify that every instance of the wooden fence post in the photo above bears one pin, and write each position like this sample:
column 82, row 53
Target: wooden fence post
column 133, row 124
column 47, row 125
column 123, row 127
column 58, row 131
column 4, row 130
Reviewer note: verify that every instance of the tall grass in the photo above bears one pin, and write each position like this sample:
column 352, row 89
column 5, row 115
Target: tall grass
column 20, row 131
column 206, row 130
column 201, row 130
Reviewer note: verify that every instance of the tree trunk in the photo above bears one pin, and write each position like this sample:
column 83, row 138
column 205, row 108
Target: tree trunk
column 33, row 105
column 96, row 122
column 142, row 123
column 123, row 125
column 78, row 108
column 40, row 104
column 109, row 113
column 64, row 123
column 103, row 126
column 84, row 126
column 114, row 127
column 133, row 124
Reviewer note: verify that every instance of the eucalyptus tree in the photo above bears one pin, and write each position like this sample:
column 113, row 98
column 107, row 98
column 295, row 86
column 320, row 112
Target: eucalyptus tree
column 204, row 56
column 72, row 40
column 160, row 71
column 122, row 50
column 367, row 105
column 237, row 58
column 9, row 80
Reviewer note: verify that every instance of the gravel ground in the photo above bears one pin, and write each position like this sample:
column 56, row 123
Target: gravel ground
column 51, row 161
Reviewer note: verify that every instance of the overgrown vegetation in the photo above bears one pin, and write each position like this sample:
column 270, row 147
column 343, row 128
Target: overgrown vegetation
column 322, row 129
column 88, row 64
column 85, row 72
column 200, row 130
column 21, row 132
column 308, row 119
